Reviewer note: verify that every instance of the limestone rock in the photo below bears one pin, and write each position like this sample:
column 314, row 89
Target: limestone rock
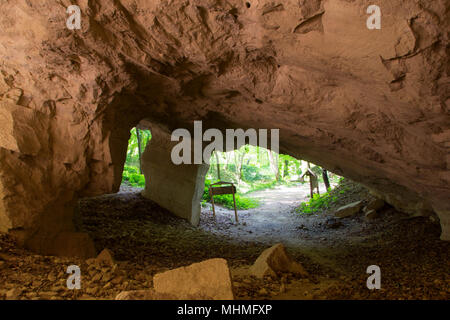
column 276, row 260
column 105, row 258
column 263, row 292
column 182, row 198
column 348, row 210
column 371, row 214
column 209, row 279
column 371, row 108
column 376, row 205
column 144, row 295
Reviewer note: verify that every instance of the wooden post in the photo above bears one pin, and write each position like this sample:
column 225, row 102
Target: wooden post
column 326, row 181
column 212, row 201
column 235, row 211
column 218, row 189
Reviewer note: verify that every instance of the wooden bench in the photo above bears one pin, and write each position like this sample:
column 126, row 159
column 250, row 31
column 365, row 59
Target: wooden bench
column 220, row 188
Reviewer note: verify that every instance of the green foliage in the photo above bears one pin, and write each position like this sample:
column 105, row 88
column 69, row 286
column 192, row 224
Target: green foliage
column 317, row 170
column 131, row 174
column 132, row 177
column 251, row 173
column 326, row 200
column 133, row 146
column 263, row 185
column 206, row 196
column 242, row 203
column 252, row 168
column 317, row 203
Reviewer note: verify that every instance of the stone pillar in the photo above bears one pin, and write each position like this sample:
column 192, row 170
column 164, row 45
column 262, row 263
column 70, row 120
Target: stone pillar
column 177, row 188
column 443, row 212
column 445, row 225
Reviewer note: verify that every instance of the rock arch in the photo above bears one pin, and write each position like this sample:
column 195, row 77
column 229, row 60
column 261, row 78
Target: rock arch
column 368, row 104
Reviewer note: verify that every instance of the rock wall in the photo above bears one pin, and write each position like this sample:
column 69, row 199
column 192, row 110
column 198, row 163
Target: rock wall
column 178, row 188
column 372, row 105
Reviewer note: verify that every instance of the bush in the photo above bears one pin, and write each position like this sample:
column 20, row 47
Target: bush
column 132, row 177
column 252, row 174
column 242, row 203
column 334, row 197
column 206, row 196
column 317, row 203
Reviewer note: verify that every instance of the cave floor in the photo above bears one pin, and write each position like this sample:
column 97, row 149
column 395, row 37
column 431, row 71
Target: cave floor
column 146, row 239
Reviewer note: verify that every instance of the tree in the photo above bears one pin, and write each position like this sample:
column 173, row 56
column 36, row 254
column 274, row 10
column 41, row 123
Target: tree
column 239, row 156
column 218, row 164
column 136, row 145
column 273, row 158
column 138, row 136
column 326, row 181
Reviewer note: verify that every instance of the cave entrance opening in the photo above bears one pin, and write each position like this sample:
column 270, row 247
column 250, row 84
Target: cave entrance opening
column 272, row 189
column 144, row 236
column 133, row 175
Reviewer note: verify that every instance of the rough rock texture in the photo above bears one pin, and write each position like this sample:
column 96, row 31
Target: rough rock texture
column 371, row 214
column 177, row 188
column 349, row 209
column 375, row 204
column 372, row 105
column 144, row 295
column 105, row 258
column 276, row 260
column 209, row 279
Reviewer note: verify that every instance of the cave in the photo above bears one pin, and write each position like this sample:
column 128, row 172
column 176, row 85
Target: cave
column 371, row 105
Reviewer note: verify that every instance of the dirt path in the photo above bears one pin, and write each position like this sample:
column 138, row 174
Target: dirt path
column 146, row 239
column 275, row 220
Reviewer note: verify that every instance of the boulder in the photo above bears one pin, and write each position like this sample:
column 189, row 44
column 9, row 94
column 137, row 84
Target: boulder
column 105, row 258
column 371, row 214
column 349, row 209
column 276, row 260
column 207, row 280
column 376, row 205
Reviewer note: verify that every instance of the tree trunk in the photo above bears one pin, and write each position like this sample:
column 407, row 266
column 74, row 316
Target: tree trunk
column 274, row 164
column 138, row 136
column 218, row 166
column 286, row 168
column 326, row 181
column 239, row 161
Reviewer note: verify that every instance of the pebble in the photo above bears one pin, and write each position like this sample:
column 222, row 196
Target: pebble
column 13, row 294
column 263, row 291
